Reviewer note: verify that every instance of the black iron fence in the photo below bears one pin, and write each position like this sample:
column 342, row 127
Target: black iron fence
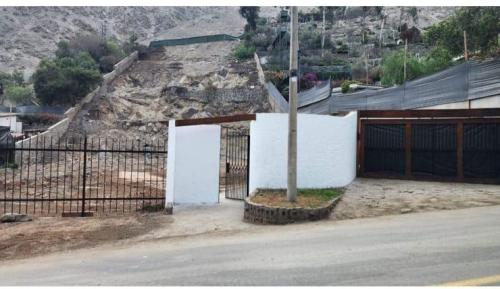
column 451, row 145
column 82, row 176
column 236, row 158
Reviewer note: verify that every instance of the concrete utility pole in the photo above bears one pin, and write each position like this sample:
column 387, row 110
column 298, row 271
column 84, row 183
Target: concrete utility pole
column 291, row 192
column 466, row 54
column 366, row 66
column 323, row 31
column 404, row 67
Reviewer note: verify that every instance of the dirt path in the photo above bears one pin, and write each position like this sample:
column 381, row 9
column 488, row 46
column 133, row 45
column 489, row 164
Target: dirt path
column 52, row 234
column 378, row 197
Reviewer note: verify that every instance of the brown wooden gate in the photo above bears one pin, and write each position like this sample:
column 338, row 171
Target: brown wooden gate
column 446, row 145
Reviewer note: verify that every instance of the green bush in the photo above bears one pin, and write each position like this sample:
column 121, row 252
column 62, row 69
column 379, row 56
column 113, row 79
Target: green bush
column 14, row 78
column 393, row 68
column 480, row 23
column 105, row 52
column 438, row 59
column 393, row 65
column 244, row 52
column 66, row 80
column 345, row 86
column 19, row 95
column 107, row 63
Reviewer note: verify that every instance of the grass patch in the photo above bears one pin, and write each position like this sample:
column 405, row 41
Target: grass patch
column 306, row 198
column 242, row 51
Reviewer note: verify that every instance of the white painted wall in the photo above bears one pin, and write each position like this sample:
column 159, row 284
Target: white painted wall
column 453, row 105
column 193, row 164
column 487, row 102
column 11, row 121
column 169, row 195
column 326, row 150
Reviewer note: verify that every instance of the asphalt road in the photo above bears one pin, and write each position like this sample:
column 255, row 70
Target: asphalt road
column 414, row 249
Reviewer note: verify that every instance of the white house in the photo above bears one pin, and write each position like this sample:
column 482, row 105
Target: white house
column 10, row 120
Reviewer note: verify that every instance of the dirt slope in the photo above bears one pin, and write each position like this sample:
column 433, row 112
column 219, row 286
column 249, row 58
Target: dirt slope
column 181, row 82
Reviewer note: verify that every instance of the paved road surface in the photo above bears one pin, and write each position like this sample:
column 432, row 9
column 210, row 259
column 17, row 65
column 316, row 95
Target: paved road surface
column 414, row 249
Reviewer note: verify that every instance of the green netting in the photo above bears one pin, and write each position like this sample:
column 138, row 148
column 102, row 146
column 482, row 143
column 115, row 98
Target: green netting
column 193, row 40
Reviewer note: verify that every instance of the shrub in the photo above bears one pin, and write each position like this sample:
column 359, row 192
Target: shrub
column 107, row 63
column 438, row 59
column 345, row 86
column 66, row 80
column 358, row 70
column 308, row 80
column 244, row 52
column 14, row 78
column 480, row 23
column 393, row 68
column 393, row 65
column 105, row 52
column 19, row 94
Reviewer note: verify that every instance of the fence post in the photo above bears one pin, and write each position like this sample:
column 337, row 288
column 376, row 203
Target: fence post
column 248, row 164
column 460, row 150
column 84, row 177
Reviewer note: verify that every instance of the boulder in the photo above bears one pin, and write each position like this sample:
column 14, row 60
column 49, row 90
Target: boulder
column 13, row 217
column 189, row 113
column 406, row 210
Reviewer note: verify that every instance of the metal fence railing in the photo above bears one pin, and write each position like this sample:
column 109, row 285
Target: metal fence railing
column 82, row 176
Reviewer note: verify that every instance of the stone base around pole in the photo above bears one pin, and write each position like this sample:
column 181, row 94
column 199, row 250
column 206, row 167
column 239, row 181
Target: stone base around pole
column 262, row 214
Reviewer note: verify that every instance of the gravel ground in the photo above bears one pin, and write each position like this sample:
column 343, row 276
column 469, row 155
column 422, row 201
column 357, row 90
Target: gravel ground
column 377, row 197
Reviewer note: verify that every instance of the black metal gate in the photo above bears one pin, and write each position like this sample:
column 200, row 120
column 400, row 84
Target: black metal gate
column 236, row 153
column 449, row 145
column 80, row 176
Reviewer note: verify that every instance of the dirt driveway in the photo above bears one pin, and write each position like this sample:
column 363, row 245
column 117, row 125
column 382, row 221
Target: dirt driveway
column 376, row 197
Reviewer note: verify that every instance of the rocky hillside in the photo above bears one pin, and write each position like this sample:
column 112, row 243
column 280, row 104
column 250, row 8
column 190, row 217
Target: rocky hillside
column 31, row 33
column 180, row 82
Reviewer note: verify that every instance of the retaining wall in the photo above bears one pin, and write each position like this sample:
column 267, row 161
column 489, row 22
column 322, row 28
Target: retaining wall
column 276, row 100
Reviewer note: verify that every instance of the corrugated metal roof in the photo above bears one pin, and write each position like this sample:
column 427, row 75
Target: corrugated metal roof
column 315, row 94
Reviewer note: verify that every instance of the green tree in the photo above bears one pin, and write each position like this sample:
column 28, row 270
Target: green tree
column 481, row 24
column 19, row 95
column 63, row 49
column 105, row 52
column 66, row 80
column 251, row 14
column 438, row 59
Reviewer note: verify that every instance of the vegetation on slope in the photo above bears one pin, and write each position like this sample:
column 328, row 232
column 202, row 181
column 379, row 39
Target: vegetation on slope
column 15, row 89
column 78, row 67
column 482, row 27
